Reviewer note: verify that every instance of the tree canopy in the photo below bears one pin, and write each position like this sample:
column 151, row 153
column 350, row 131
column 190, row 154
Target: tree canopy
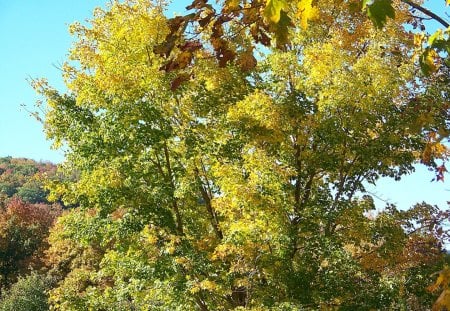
column 218, row 160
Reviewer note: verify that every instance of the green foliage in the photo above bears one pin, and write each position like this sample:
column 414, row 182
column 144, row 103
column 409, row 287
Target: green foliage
column 378, row 11
column 24, row 178
column 32, row 192
column 27, row 294
column 241, row 186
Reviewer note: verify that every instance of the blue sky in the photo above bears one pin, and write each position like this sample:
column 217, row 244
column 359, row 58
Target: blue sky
column 35, row 41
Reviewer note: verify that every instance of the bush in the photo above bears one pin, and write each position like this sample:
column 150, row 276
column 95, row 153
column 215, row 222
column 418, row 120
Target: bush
column 27, row 294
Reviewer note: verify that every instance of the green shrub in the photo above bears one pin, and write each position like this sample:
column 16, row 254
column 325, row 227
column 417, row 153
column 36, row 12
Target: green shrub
column 27, row 294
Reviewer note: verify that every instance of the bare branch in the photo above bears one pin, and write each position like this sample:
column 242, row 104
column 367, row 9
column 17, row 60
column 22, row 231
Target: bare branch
column 427, row 12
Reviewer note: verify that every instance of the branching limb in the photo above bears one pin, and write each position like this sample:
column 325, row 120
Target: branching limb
column 427, row 12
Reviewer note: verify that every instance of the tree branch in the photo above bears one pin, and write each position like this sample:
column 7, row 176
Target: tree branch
column 427, row 12
column 172, row 184
column 212, row 213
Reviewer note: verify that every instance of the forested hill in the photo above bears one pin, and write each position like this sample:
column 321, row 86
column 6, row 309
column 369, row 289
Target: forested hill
column 26, row 217
column 23, row 178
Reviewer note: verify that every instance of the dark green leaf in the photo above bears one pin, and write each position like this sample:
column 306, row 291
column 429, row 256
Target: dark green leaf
column 378, row 11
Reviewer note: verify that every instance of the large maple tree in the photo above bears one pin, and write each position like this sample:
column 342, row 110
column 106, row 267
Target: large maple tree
column 220, row 174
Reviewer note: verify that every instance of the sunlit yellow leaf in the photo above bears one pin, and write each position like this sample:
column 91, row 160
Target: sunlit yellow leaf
column 273, row 10
column 427, row 61
column 418, row 39
column 306, row 12
column 443, row 301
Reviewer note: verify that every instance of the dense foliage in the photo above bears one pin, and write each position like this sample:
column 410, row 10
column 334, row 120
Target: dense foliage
column 24, row 178
column 220, row 174
column 25, row 221
column 27, row 294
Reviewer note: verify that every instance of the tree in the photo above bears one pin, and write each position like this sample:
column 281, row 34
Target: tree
column 23, row 231
column 32, row 192
column 27, row 294
column 214, row 182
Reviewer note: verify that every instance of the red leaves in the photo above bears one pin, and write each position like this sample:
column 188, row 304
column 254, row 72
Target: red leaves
column 181, row 61
column 184, row 58
column 31, row 214
column 440, row 171
column 178, row 81
column 259, row 35
column 205, row 16
column 191, row 46
column 205, row 20
column 224, row 55
column 175, row 23
column 24, row 229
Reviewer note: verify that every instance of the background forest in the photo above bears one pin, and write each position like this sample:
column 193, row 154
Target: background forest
column 218, row 160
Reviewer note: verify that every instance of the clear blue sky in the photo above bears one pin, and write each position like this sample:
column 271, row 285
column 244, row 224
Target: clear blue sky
column 34, row 41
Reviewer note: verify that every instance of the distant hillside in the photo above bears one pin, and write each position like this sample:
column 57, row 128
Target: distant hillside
column 23, row 178
column 26, row 217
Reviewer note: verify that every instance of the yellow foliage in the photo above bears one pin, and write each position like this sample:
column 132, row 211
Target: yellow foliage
column 306, row 12
column 258, row 114
column 231, row 5
column 259, row 169
column 149, row 235
column 434, row 150
column 443, row 301
column 419, row 39
column 429, row 60
column 208, row 285
column 443, row 280
column 118, row 51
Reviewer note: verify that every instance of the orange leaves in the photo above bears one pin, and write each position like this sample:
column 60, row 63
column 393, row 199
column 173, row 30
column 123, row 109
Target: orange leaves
column 180, row 61
column 183, row 58
column 442, row 280
column 246, row 61
column 24, row 230
column 435, row 149
column 275, row 21
column 443, row 301
column 259, row 35
column 224, row 56
column 231, row 5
